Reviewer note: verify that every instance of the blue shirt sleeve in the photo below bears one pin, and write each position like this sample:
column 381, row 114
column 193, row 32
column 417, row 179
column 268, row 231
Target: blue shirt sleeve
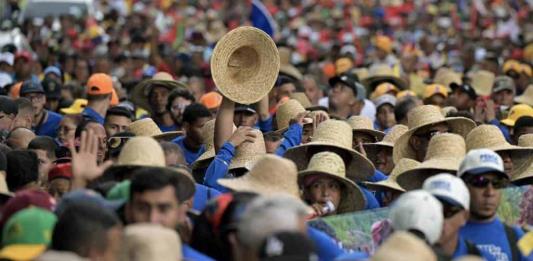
column 292, row 137
column 503, row 129
column 218, row 168
column 326, row 247
column 202, row 195
column 371, row 201
column 265, row 125
column 190, row 253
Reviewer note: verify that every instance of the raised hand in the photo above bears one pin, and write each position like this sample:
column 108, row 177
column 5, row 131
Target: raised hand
column 84, row 165
column 241, row 135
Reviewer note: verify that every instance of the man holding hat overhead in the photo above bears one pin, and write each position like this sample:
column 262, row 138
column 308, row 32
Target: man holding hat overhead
column 99, row 91
column 45, row 121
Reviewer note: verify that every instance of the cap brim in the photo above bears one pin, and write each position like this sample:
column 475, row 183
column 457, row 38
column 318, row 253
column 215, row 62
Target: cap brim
column 448, row 200
column 22, row 252
column 508, row 122
column 484, row 170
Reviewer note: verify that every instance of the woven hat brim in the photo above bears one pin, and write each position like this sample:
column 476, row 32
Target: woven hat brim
column 524, row 178
column 206, row 157
column 247, row 184
column 402, row 149
column 384, row 185
column 522, row 157
column 372, row 80
column 246, row 162
column 168, row 136
column 290, row 70
column 123, row 172
column 355, row 195
column 524, row 100
column 414, row 179
column 139, row 94
column 359, row 169
column 375, row 133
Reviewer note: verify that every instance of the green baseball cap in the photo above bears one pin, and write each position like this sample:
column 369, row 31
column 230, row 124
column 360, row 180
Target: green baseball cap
column 27, row 234
column 121, row 191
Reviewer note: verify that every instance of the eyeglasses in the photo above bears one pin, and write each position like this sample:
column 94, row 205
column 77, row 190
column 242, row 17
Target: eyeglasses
column 483, row 182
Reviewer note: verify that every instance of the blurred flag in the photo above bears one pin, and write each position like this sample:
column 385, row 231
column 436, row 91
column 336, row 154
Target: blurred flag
column 261, row 18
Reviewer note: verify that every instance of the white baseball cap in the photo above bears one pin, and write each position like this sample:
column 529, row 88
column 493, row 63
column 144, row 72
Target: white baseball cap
column 385, row 99
column 449, row 188
column 481, row 161
column 418, row 210
column 8, row 58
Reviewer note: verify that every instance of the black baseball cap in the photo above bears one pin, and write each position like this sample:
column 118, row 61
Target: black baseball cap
column 467, row 88
column 245, row 108
column 347, row 79
column 7, row 105
column 52, row 88
column 30, row 86
column 287, row 246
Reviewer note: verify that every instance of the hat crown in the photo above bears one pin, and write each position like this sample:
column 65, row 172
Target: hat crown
column 163, row 76
column 447, row 77
column 402, row 166
column 526, row 140
column 276, row 173
column 424, row 115
column 448, row 186
column 284, row 55
column 208, row 134
column 144, row 127
column 334, row 132
column 143, row 151
column 288, row 111
column 151, row 242
column 380, row 70
column 360, row 122
column 327, row 162
column 31, row 225
column 301, row 98
column 249, row 151
column 395, row 133
column 485, row 136
column 446, row 145
column 482, row 82
column 481, row 159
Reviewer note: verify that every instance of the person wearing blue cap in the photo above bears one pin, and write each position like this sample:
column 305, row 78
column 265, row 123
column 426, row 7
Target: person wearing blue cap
column 53, row 72
column 45, row 122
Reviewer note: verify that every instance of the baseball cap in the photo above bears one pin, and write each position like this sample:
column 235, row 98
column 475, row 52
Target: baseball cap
column 511, row 65
column 60, row 170
column 385, row 99
column 52, row 88
column 24, row 199
column 405, row 93
column 244, row 108
column 384, row 88
column 347, row 79
column 481, row 161
column 30, row 86
column 343, row 65
column 99, row 83
column 24, row 55
column 7, row 57
column 420, row 211
column 361, row 91
column 76, row 107
column 517, row 112
column 503, row 83
column 27, row 234
column 467, row 88
column 5, row 79
column 211, row 100
column 449, row 188
column 287, row 246
column 121, row 191
column 53, row 70
column 86, row 195
column 433, row 89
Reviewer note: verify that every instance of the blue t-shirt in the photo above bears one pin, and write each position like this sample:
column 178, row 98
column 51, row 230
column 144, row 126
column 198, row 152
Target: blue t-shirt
column 326, row 247
column 462, row 249
column 190, row 156
column 190, row 253
column 202, row 195
column 490, row 238
column 90, row 114
column 50, row 125
column 163, row 128
column 371, row 201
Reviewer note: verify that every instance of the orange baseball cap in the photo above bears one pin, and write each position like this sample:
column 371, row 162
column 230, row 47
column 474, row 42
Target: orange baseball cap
column 211, row 100
column 433, row 89
column 114, row 98
column 14, row 92
column 99, row 83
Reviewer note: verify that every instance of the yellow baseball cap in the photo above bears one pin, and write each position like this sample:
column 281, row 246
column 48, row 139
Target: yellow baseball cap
column 76, row 107
column 511, row 65
column 384, row 43
column 384, row 88
column 433, row 89
column 516, row 112
column 343, row 65
column 405, row 93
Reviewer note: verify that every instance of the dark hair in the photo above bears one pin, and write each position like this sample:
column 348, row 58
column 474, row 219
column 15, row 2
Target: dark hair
column 83, row 227
column 3, row 161
column 195, row 111
column 403, row 107
column 44, row 143
column 523, row 122
column 179, row 92
column 7, row 105
column 83, row 126
column 152, row 178
column 22, row 169
column 98, row 97
column 119, row 111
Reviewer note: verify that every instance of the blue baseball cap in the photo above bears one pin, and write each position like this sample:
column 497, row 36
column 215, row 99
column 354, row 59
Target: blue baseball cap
column 30, row 86
column 53, row 70
column 87, row 195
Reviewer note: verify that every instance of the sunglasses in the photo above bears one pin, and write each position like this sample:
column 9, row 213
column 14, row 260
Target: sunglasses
column 483, row 182
column 449, row 210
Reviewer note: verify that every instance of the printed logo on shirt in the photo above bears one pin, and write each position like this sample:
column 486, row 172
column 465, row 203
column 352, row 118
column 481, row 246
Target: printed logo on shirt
column 494, row 251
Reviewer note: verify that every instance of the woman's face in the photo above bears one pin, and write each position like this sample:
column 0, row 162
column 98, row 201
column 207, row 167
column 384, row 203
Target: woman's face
column 324, row 189
column 66, row 131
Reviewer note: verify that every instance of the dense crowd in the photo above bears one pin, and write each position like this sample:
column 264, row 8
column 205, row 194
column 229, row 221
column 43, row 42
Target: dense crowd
column 175, row 130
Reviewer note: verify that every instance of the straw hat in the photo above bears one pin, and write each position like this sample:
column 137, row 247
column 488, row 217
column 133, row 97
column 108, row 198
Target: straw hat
column 269, row 176
column 4, row 190
column 285, row 64
column 526, row 177
column 383, row 73
column 147, row 127
column 526, row 97
column 331, row 165
column 76, row 107
column 388, row 141
column 490, row 137
column 208, row 136
column 151, row 242
column 141, row 92
column 482, row 82
column 391, row 182
column 445, row 153
column 445, row 77
column 286, row 112
column 404, row 246
column 337, row 135
column 306, row 103
column 364, row 124
column 245, row 65
column 248, row 153
column 423, row 116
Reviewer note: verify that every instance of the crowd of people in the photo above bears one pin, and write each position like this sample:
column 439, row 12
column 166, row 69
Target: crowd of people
column 166, row 130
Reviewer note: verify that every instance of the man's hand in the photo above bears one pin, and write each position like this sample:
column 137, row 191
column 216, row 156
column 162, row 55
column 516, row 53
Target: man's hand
column 241, row 135
column 318, row 117
column 490, row 112
column 300, row 118
column 84, row 165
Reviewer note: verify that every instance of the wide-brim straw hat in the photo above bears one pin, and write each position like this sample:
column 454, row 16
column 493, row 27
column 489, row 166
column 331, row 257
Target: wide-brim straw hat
column 271, row 175
column 306, row 103
column 405, row 245
column 333, row 135
column 331, row 165
column 388, row 141
column 245, row 65
column 482, row 82
column 365, row 125
column 287, row 111
column 248, row 153
column 383, row 73
column 144, row 241
column 285, row 64
column 444, row 155
column 208, row 135
column 424, row 116
column 147, row 127
column 490, row 137
column 391, row 183
column 141, row 92
column 446, row 76
column 526, row 97
column 526, row 177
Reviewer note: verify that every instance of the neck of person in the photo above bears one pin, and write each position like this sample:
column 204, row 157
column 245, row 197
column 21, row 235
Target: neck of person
column 478, row 219
column 191, row 144
column 99, row 107
column 343, row 111
column 449, row 246
column 164, row 119
column 39, row 117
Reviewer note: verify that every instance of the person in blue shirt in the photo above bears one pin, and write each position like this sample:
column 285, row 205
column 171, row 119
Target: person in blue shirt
column 194, row 118
column 483, row 172
column 99, row 92
column 45, row 122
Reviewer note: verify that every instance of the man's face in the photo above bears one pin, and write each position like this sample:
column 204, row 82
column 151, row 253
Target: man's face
column 45, row 164
column 341, row 96
column 99, row 132
column 157, row 207
column 420, row 139
column 244, row 118
column 38, row 101
column 385, row 116
column 115, row 124
column 384, row 162
column 454, row 218
column 485, row 194
column 508, row 165
column 6, row 120
column 194, row 130
column 460, row 100
column 307, row 133
column 324, row 189
column 177, row 107
column 504, row 97
column 158, row 99
column 437, row 100
column 285, row 90
column 67, row 130
column 311, row 90
column 360, row 138
column 58, row 187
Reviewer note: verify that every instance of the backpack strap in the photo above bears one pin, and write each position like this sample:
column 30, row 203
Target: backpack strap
column 513, row 240
column 472, row 248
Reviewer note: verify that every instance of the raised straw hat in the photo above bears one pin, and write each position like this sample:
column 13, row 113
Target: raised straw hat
column 404, row 246
column 144, row 241
column 331, row 165
column 388, row 141
column 306, row 103
column 383, row 73
column 364, row 124
column 526, row 177
column 147, row 127
column 248, row 153
column 425, row 116
column 141, row 92
column 208, row 139
column 446, row 76
column 391, row 182
column 336, row 136
column 285, row 64
column 490, row 137
column 526, row 97
column 482, row 82
column 245, row 65
column 445, row 153
column 287, row 111
column 271, row 175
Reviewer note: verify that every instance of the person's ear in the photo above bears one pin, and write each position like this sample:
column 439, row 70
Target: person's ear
column 414, row 142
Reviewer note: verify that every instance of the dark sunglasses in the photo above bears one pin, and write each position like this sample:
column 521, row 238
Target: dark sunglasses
column 449, row 210
column 483, row 182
